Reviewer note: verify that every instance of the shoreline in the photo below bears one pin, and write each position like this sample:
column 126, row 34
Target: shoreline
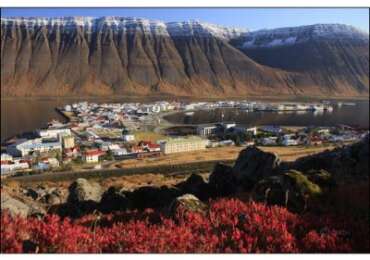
column 186, row 98
column 163, row 116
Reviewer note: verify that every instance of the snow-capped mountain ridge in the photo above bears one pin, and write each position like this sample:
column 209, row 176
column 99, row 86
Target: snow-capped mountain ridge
column 129, row 25
column 291, row 35
column 248, row 39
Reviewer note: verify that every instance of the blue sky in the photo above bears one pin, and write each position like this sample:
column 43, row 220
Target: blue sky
column 251, row 18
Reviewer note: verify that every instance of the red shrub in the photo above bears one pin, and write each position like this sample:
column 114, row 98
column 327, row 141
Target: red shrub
column 229, row 226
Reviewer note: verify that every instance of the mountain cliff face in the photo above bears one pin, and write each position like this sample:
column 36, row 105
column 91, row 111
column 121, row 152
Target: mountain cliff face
column 335, row 57
column 130, row 56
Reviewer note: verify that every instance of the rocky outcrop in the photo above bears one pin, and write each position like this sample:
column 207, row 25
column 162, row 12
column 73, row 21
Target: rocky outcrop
column 261, row 172
column 186, row 203
column 253, row 165
column 351, row 160
column 222, row 180
column 292, row 190
column 196, row 185
column 83, row 198
column 17, row 207
column 50, row 196
column 52, row 199
column 152, row 197
column 114, row 199
column 322, row 178
column 84, row 190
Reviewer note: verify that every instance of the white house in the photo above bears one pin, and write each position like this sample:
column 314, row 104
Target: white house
column 128, row 138
column 92, row 156
column 6, row 168
column 6, row 157
column 119, row 152
column 68, row 108
column 53, row 133
column 289, row 142
column 269, row 141
column 53, row 162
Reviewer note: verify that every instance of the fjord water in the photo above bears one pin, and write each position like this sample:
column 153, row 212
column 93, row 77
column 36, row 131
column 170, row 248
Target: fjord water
column 23, row 115
column 357, row 115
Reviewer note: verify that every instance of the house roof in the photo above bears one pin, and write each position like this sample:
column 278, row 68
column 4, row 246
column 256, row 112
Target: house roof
column 93, row 152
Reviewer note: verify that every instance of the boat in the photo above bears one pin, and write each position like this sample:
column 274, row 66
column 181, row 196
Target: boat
column 348, row 104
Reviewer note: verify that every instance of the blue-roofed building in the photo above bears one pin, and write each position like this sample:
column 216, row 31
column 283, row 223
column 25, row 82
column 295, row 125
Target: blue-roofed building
column 24, row 147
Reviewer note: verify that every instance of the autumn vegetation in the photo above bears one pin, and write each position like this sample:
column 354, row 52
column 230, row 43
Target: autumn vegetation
column 228, row 226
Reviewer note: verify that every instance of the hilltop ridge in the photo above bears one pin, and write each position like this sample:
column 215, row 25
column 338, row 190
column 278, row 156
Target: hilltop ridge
column 107, row 56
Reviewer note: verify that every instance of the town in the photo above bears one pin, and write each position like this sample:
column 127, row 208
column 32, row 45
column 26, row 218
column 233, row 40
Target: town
column 97, row 134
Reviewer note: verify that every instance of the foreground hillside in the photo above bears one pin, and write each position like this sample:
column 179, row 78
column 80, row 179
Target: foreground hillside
column 127, row 56
column 227, row 226
column 261, row 204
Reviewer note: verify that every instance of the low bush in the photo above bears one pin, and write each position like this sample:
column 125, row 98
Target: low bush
column 229, row 226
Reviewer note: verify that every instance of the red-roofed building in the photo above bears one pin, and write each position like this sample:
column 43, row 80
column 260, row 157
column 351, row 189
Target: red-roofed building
column 149, row 146
column 92, row 156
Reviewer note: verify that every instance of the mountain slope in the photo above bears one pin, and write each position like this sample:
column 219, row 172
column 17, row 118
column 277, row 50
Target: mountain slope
column 335, row 56
column 133, row 56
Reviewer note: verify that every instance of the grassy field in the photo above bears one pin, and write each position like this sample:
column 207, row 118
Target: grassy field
column 220, row 153
column 164, row 170
column 148, row 136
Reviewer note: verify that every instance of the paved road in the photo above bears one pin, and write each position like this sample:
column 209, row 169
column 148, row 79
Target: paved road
column 175, row 169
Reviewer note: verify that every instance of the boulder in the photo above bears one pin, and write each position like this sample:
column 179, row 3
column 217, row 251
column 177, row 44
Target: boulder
column 32, row 193
column 14, row 206
column 113, row 200
column 152, row 197
column 302, row 183
column 322, row 178
column 17, row 207
column 195, row 185
column 53, row 196
column 52, row 199
column 253, row 165
column 222, row 180
column 75, row 209
column 292, row 189
column 191, row 184
column 187, row 203
column 83, row 190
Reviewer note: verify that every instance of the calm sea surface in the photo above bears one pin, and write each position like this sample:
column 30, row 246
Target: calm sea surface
column 19, row 116
column 357, row 115
column 22, row 115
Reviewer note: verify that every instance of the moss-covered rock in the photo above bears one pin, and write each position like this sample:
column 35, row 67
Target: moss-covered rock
column 291, row 189
column 302, row 184
column 322, row 178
